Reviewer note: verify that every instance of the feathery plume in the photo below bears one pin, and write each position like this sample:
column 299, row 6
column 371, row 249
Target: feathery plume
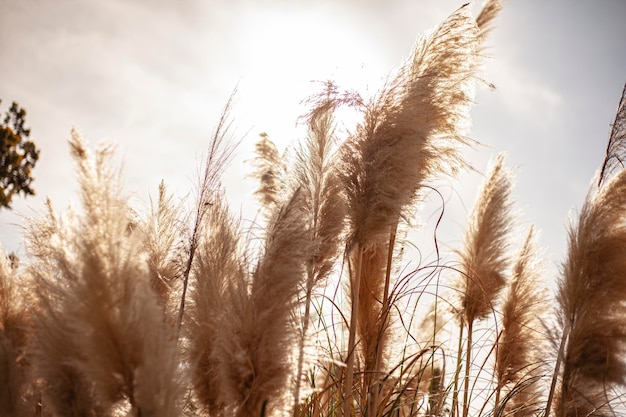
column 64, row 390
column 255, row 342
column 218, row 264
column 14, row 330
column 162, row 230
column 269, row 170
column 484, row 257
column 318, row 183
column 487, row 15
column 592, row 300
column 411, row 132
column 116, row 341
column 520, row 347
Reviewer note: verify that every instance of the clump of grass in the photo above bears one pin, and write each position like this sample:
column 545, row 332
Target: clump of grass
column 102, row 340
column 484, row 259
column 176, row 313
column 15, row 399
column 521, row 345
column 592, row 301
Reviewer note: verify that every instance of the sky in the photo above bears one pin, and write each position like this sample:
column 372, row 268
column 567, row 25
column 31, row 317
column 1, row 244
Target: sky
column 153, row 76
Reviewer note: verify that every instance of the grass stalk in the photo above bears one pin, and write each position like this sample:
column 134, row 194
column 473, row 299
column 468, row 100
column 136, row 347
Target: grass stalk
column 374, row 388
column 468, row 367
column 351, row 352
column 555, row 374
column 220, row 154
column 459, row 366
column 301, row 340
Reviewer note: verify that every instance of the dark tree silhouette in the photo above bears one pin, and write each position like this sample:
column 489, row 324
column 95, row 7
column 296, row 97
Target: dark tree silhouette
column 18, row 156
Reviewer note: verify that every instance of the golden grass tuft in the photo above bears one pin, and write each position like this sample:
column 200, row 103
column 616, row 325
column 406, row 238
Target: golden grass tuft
column 521, row 346
column 270, row 173
column 100, row 319
column 14, row 328
column 592, row 301
column 485, row 258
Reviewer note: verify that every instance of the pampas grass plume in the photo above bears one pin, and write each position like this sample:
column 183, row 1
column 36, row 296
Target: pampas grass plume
column 484, row 258
column 592, row 300
column 521, row 348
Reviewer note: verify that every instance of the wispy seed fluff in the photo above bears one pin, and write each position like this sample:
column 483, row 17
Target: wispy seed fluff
column 317, row 179
column 15, row 324
column 270, row 172
column 256, row 338
column 521, row 348
column 412, row 130
column 592, row 300
column 218, row 268
column 102, row 338
column 484, row 258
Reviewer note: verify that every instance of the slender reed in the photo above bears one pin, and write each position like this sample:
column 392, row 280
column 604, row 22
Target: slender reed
column 410, row 133
column 218, row 262
column 98, row 308
column 592, row 301
column 14, row 332
column 521, row 344
column 255, row 340
column 319, row 186
column 591, row 292
column 484, row 258
column 219, row 155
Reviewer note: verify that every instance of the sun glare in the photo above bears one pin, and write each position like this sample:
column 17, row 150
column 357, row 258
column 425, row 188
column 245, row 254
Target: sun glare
column 286, row 51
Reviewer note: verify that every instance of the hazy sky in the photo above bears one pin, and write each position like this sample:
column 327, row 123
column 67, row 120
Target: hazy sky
column 153, row 76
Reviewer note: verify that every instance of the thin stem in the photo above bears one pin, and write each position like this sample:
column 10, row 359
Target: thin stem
column 499, row 382
column 356, row 283
column 455, row 394
column 181, row 309
column 305, row 329
column 497, row 400
column 555, row 375
column 468, row 363
column 384, row 320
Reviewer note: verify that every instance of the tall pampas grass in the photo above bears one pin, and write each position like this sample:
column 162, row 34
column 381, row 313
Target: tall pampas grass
column 592, row 301
column 64, row 390
column 220, row 153
column 410, row 133
column 521, row 346
column 103, row 342
column 218, row 268
column 163, row 233
column 254, row 344
column 485, row 255
column 592, row 292
column 412, row 130
column 317, row 180
column 484, row 258
column 14, row 329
